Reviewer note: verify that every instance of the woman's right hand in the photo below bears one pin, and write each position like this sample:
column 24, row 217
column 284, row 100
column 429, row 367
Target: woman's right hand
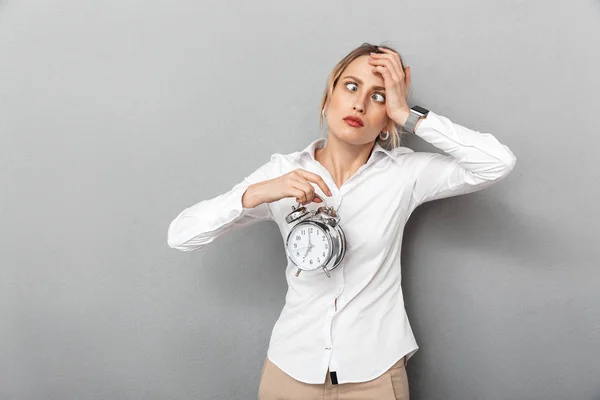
column 295, row 183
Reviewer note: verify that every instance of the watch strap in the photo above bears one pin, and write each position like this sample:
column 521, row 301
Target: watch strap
column 416, row 113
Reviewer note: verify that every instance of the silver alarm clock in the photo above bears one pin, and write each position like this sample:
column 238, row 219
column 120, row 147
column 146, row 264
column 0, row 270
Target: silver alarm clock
column 316, row 241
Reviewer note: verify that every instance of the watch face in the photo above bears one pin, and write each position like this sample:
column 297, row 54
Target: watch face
column 308, row 246
column 420, row 110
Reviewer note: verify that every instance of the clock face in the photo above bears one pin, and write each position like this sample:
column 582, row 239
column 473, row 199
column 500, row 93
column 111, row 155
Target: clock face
column 308, row 246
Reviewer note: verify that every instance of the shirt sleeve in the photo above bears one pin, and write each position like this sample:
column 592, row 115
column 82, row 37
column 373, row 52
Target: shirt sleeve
column 476, row 160
column 203, row 222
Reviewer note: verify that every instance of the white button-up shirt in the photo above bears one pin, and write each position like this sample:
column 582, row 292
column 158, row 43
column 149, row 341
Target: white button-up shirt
column 354, row 322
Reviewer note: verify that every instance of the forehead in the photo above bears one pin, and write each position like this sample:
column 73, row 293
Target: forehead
column 360, row 68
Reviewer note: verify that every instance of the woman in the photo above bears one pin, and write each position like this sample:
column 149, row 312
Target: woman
column 348, row 336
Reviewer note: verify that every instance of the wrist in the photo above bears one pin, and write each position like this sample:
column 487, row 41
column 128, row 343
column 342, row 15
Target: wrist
column 419, row 123
column 251, row 197
column 411, row 118
column 401, row 116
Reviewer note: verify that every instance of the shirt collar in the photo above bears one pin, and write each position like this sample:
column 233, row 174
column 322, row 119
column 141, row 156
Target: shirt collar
column 312, row 146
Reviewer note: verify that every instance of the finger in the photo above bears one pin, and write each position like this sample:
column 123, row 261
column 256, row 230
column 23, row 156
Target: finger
column 315, row 199
column 395, row 58
column 394, row 78
column 306, row 187
column 312, row 177
column 299, row 195
column 385, row 72
column 303, row 198
column 389, row 76
column 407, row 77
column 393, row 63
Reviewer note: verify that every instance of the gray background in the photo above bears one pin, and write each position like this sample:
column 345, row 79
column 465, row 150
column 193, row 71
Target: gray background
column 117, row 114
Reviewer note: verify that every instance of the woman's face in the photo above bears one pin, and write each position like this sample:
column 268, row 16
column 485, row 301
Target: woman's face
column 359, row 92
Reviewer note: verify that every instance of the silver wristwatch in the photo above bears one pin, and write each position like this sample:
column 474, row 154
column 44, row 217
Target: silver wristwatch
column 416, row 113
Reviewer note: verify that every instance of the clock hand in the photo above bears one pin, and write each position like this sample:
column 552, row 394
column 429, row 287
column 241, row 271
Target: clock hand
column 307, row 250
column 309, row 244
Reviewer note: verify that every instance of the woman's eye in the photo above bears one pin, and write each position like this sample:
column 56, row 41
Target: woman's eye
column 350, row 83
column 382, row 97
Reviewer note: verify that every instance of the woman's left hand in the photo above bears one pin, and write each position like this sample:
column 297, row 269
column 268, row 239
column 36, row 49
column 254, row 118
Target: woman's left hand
column 397, row 82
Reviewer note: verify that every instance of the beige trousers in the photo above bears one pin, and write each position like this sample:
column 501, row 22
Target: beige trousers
column 277, row 385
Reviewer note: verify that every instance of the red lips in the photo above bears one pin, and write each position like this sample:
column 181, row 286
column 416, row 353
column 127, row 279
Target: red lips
column 357, row 120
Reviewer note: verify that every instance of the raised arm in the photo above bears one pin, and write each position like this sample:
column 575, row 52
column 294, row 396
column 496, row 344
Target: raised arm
column 476, row 160
column 203, row 222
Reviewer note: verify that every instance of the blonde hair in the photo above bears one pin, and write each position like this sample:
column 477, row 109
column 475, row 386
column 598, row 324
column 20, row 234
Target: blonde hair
column 395, row 135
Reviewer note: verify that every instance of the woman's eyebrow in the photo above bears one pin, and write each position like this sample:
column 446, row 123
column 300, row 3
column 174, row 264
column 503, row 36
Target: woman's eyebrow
column 361, row 82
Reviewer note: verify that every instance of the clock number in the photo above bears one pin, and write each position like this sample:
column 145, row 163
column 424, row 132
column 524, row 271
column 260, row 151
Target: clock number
column 298, row 237
column 303, row 231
